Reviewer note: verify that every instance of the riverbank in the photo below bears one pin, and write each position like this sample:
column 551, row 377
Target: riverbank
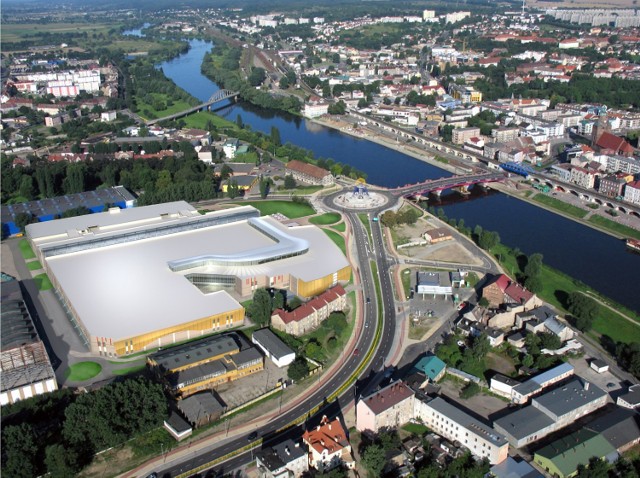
column 453, row 167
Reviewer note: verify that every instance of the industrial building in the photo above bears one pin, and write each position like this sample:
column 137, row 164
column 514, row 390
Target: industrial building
column 146, row 277
column 25, row 369
column 434, row 283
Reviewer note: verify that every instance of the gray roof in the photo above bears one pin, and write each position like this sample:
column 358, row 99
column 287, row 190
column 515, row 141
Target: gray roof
column 568, row 397
column 632, row 396
column 272, row 343
column 278, row 456
column 434, row 279
column 179, row 424
column 524, row 422
column 511, row 468
column 197, row 351
column 246, row 356
column 542, row 313
column 467, row 421
column 504, row 379
column 554, row 325
column 200, row 405
column 199, row 373
column 619, row 427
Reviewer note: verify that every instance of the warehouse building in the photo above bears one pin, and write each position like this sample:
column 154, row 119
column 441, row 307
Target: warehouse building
column 147, row 277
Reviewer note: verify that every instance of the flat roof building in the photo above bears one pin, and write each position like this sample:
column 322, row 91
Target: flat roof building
column 274, row 348
column 436, row 283
column 150, row 276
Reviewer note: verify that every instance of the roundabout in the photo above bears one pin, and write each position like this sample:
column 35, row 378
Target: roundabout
column 360, row 198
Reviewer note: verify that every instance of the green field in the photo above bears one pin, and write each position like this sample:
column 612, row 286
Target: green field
column 561, row 206
column 338, row 239
column 557, row 286
column 25, row 250
column 292, row 210
column 146, row 110
column 340, row 227
column 612, row 226
column 82, row 371
column 43, row 282
column 406, row 282
column 134, row 46
column 20, row 31
column 34, row 265
column 325, row 219
column 200, row 120
column 415, row 428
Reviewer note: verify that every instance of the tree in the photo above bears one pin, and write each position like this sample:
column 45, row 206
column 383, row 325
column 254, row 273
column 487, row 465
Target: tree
column 298, row 369
column 488, row 240
column 74, row 182
column 469, row 390
column 447, row 133
column 483, row 302
column 260, row 308
column 374, row 460
column 534, row 265
column 26, row 187
column 264, row 187
column 257, row 76
column 283, row 84
column 18, row 451
column 583, row 309
column 534, row 284
column 61, row 461
column 597, row 468
column 527, row 360
column 233, row 191
column 549, row 341
column 278, row 299
column 275, row 136
column 239, row 122
column 289, row 182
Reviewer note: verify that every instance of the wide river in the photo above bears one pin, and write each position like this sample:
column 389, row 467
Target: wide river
column 597, row 259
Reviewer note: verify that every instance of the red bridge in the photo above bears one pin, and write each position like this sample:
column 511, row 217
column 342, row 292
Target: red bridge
column 438, row 185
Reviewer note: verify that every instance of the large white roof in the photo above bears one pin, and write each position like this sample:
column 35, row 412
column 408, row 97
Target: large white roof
column 124, row 290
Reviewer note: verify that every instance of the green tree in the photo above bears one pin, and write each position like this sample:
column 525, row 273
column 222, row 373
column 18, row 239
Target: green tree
column 549, row 341
column 26, row 187
column 469, row 390
column 61, row 461
column 283, row 84
column 264, row 187
column 164, row 180
column 534, row 284
column 597, row 468
column 74, row 182
column 18, row 451
column 534, row 265
column 527, row 360
column 483, row 302
column 278, row 299
column 488, row 240
column 275, row 136
column 583, row 309
column 446, row 132
column 257, row 76
column 260, row 308
column 289, row 182
column 374, row 460
column 239, row 122
column 298, row 369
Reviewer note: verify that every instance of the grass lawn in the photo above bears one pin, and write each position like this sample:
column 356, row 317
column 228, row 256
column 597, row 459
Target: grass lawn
column 415, row 428
column 557, row 286
column 338, row 239
column 612, row 226
column 246, row 158
column 82, row 371
column 43, row 282
column 325, row 219
column 131, row 45
column 292, row 210
column 406, row 281
column 561, row 206
column 146, row 110
column 20, row 31
column 340, row 227
column 200, row 120
column 128, row 370
column 25, row 249
column 34, row 265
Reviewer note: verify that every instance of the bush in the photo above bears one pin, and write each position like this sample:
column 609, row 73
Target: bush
column 469, row 390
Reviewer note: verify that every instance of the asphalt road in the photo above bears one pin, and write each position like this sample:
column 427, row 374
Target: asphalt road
column 351, row 361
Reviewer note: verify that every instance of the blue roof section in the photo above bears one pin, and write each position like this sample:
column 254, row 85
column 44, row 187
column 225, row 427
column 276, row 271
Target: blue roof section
column 430, row 365
column 537, row 382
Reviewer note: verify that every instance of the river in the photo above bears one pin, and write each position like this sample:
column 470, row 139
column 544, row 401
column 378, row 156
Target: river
column 596, row 259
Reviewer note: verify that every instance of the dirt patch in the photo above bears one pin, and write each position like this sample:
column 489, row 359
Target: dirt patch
column 481, row 404
column 500, row 364
column 109, row 462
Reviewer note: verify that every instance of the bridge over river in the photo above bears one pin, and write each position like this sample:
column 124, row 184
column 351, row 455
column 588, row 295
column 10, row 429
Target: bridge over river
column 436, row 186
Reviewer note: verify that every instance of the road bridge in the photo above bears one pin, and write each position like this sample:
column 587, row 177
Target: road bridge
column 438, row 185
column 217, row 97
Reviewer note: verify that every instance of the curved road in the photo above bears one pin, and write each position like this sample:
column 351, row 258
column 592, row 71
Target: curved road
column 365, row 253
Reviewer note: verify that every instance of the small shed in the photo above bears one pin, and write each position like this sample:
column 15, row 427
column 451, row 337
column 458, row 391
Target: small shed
column 177, row 426
column 599, row 366
column 273, row 347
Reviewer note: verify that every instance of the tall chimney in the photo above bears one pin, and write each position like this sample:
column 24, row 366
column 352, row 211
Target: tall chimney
column 586, row 386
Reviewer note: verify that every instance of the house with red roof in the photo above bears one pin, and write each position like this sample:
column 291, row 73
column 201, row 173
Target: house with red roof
column 329, row 446
column 508, row 298
column 609, row 143
column 389, row 407
column 309, row 173
column 310, row 315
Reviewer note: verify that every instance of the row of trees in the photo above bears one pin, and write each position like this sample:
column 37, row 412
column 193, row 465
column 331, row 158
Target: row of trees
column 58, row 433
column 408, row 216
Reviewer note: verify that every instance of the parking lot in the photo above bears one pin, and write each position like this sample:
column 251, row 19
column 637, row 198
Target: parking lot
column 241, row 391
column 606, row 380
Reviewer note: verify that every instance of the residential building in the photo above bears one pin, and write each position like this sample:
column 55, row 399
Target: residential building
column 329, row 446
column 502, row 290
column 611, row 186
column 465, row 93
column 460, row 135
column 608, row 143
column 455, row 425
column 284, row 460
column 230, row 147
column 632, row 192
column 630, row 399
column 436, row 283
column 550, row 412
column 432, row 367
column 623, row 164
column 274, row 348
column 389, row 407
column 315, row 107
column 585, row 178
column 504, row 134
column 308, row 316
column 554, row 326
column 562, row 457
column 309, row 173
column 25, row 368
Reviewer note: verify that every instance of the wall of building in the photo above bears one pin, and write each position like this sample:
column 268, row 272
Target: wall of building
column 318, row 286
